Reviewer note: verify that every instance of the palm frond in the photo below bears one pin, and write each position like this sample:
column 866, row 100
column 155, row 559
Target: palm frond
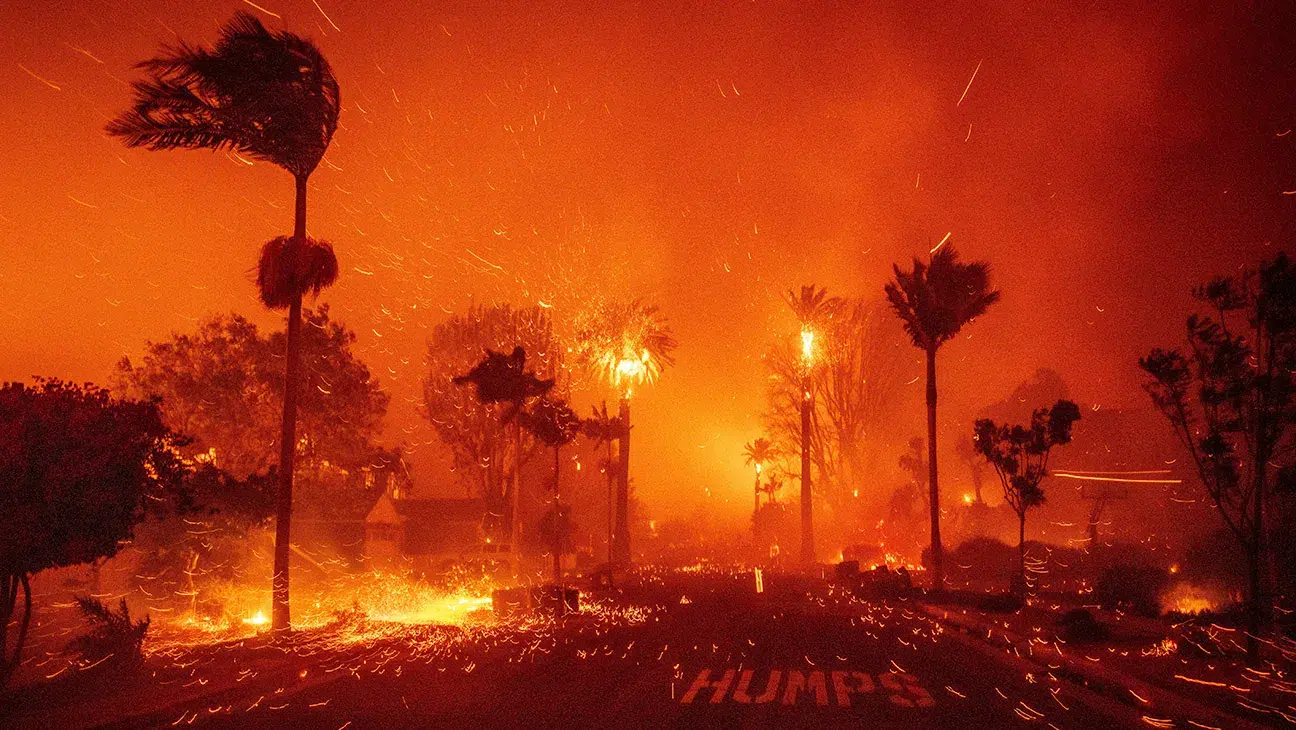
column 269, row 95
column 934, row 301
column 291, row 267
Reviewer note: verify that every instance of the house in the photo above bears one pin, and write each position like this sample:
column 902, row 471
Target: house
column 427, row 532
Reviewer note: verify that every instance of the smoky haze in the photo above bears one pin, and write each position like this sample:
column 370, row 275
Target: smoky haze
column 704, row 156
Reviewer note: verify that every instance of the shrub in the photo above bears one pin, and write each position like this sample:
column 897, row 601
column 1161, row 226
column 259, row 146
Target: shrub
column 1000, row 603
column 114, row 638
column 1133, row 588
column 1079, row 625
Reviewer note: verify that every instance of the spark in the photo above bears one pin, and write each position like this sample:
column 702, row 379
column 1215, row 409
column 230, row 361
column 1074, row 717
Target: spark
column 942, row 242
column 965, row 89
column 1118, row 479
column 41, row 79
column 267, row 12
column 326, row 17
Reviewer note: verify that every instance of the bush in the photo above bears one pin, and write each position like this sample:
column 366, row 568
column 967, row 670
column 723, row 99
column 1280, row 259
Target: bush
column 1132, row 588
column 1000, row 603
column 114, row 638
column 981, row 559
column 1079, row 626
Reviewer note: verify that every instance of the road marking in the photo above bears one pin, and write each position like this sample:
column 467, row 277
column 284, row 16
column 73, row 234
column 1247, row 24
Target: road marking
column 798, row 687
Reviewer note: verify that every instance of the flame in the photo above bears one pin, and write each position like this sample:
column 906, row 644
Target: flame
column 626, row 369
column 257, row 619
column 967, row 498
column 807, row 344
column 1189, row 599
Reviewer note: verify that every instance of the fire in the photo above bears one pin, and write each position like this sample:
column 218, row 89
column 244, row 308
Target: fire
column 807, row 344
column 1188, row 599
column 968, row 498
column 257, row 619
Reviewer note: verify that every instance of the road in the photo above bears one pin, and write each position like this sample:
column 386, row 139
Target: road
column 712, row 653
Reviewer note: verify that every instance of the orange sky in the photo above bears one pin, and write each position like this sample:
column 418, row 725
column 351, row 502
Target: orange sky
column 706, row 156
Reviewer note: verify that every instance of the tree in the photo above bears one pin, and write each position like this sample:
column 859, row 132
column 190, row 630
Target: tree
column 504, row 380
column 1230, row 402
column 813, row 308
column 1020, row 456
column 773, row 485
column 914, row 463
column 203, row 541
column 271, row 96
column 934, row 301
column 78, row 470
column 220, row 386
column 555, row 425
column 758, row 453
column 605, row 429
column 475, row 435
column 624, row 344
column 857, row 390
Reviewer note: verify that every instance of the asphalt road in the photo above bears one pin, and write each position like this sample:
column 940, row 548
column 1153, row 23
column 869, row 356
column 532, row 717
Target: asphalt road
column 713, row 654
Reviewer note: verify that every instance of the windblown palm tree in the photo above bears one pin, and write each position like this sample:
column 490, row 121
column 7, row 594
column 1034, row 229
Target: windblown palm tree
column 934, row 301
column 757, row 454
column 273, row 97
column 813, row 308
column 501, row 378
column 625, row 344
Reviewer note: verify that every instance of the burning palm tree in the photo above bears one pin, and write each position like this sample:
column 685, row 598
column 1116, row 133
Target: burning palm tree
column 626, row 345
column 934, row 301
column 271, row 96
column 813, row 308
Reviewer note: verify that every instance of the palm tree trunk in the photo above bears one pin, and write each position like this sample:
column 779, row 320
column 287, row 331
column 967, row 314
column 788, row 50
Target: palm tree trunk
column 557, row 539
column 933, row 490
column 610, row 502
column 515, row 517
column 280, row 614
column 807, row 504
column 756, row 491
column 621, row 540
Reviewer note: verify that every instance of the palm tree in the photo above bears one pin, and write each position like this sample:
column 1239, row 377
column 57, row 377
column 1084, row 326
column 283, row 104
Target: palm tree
column 501, row 378
column 934, row 301
column 757, row 454
column 555, row 425
column 271, row 96
column 625, row 345
column 605, row 428
column 813, row 308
